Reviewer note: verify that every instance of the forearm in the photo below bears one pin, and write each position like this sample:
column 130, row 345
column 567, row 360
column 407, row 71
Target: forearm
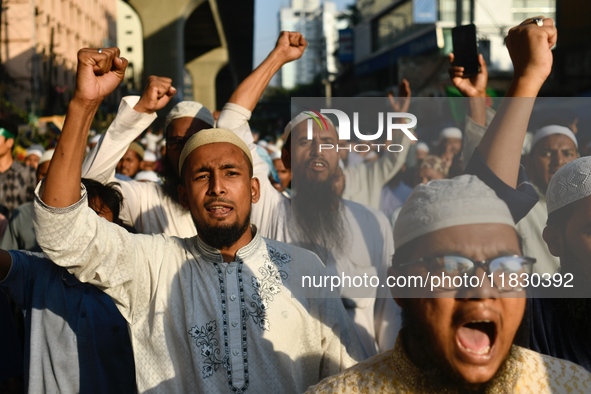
column 62, row 184
column 477, row 110
column 248, row 93
column 502, row 143
column 102, row 160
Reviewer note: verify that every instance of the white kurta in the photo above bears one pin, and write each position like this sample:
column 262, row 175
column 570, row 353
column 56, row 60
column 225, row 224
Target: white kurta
column 369, row 248
column 199, row 325
column 530, row 228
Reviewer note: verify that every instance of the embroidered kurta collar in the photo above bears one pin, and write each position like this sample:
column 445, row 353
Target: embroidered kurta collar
column 211, row 253
column 433, row 381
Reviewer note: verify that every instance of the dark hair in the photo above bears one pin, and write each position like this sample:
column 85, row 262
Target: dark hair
column 107, row 194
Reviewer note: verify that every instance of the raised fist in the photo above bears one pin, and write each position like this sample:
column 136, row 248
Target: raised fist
column 290, row 46
column 156, row 95
column 99, row 73
column 529, row 46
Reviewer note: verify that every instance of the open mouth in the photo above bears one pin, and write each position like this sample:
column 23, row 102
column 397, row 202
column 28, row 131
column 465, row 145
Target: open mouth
column 477, row 337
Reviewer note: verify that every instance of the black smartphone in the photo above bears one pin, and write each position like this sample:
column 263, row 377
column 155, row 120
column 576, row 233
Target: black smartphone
column 465, row 49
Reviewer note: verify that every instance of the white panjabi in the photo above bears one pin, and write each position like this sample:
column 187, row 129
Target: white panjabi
column 571, row 183
column 446, row 203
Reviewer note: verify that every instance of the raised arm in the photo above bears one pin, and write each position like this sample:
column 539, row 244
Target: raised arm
column 97, row 76
column 529, row 46
column 133, row 117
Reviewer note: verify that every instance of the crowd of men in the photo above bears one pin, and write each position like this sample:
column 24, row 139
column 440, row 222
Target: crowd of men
column 175, row 262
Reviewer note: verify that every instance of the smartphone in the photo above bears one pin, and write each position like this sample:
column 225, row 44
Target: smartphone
column 465, row 49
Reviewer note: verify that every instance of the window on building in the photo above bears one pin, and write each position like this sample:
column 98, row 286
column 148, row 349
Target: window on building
column 129, row 49
column 447, row 10
column 391, row 26
column 523, row 9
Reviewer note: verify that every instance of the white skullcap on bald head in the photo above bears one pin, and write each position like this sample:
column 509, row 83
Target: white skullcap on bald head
column 446, row 203
column 189, row 109
column 212, row 136
column 572, row 182
column 551, row 130
column 450, row 132
column 302, row 116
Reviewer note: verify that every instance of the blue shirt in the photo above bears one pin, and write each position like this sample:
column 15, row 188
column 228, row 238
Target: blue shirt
column 76, row 339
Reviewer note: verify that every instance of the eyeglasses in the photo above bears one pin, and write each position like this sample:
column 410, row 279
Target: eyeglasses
column 504, row 272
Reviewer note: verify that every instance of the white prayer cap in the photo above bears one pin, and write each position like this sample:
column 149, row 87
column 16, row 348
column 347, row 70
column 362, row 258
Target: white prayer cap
column 46, row 156
column 189, row 109
column 302, row 116
column 211, row 136
column 95, row 139
column 571, row 183
column 149, row 176
column 275, row 153
column 446, row 203
column 149, row 156
column 450, row 132
column 551, row 130
column 422, row 147
column 36, row 150
column 263, row 143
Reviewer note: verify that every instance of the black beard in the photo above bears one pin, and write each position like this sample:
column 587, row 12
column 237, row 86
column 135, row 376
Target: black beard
column 318, row 217
column 171, row 180
column 220, row 237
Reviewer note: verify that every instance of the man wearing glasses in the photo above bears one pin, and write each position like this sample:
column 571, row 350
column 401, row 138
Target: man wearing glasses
column 457, row 339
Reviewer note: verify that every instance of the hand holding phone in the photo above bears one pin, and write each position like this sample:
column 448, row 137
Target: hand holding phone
column 465, row 49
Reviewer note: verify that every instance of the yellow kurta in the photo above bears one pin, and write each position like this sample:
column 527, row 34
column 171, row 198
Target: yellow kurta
column 524, row 371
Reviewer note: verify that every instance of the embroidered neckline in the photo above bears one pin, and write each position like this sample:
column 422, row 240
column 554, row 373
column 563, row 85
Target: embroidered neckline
column 244, row 252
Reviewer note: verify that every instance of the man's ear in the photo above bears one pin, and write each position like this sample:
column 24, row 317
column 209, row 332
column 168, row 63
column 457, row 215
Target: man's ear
column 554, row 240
column 183, row 198
column 255, row 190
column 10, row 142
column 286, row 157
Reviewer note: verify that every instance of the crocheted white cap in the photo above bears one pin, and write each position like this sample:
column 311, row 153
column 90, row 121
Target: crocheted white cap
column 571, row 182
column 212, row 136
column 422, row 147
column 189, row 109
column 47, row 155
column 551, row 130
column 450, row 132
column 302, row 116
column 446, row 203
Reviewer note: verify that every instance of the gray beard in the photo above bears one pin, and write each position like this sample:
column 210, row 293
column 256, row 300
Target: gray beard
column 319, row 222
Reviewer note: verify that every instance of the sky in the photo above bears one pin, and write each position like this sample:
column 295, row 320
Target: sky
column 266, row 25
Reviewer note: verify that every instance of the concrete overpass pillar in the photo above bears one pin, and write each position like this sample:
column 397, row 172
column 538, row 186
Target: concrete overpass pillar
column 204, row 70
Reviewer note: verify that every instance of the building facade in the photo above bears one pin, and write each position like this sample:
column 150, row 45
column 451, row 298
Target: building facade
column 130, row 40
column 318, row 23
column 39, row 41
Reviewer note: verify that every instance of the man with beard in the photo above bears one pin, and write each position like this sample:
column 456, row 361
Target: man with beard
column 464, row 342
column 151, row 208
column 208, row 313
column 351, row 239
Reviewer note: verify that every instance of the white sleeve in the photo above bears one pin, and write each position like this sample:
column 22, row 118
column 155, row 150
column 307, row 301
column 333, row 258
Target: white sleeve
column 387, row 314
column 104, row 254
column 102, row 160
column 364, row 182
column 266, row 212
column 473, row 133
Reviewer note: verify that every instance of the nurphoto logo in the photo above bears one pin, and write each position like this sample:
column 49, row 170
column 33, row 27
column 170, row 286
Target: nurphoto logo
column 402, row 121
